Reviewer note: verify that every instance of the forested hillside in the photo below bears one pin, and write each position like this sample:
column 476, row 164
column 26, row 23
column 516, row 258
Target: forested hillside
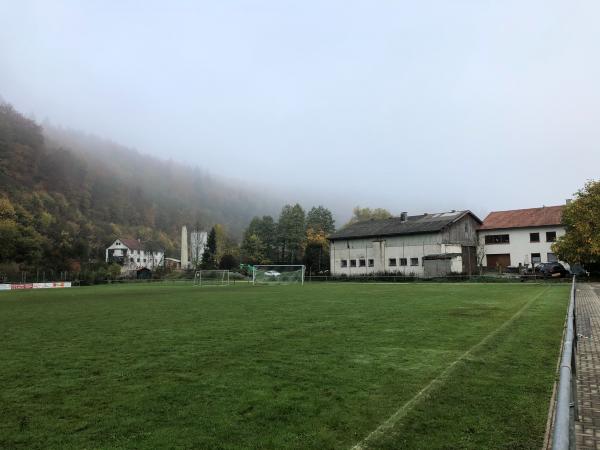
column 65, row 195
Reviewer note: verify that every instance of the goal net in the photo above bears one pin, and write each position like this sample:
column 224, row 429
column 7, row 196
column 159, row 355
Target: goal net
column 278, row 274
column 211, row 278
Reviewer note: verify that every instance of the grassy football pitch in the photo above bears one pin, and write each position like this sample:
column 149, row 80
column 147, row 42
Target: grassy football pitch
column 415, row 366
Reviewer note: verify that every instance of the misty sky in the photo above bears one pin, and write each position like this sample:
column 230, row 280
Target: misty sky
column 414, row 106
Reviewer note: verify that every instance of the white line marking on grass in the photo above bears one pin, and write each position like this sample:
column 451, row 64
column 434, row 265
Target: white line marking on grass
column 438, row 381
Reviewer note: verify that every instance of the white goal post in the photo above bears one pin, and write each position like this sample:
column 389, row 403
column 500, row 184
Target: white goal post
column 278, row 274
column 211, row 278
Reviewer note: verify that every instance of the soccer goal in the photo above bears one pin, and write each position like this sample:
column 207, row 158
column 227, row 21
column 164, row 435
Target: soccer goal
column 278, row 274
column 211, row 278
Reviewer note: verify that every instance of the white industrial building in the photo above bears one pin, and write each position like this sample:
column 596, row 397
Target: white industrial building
column 521, row 237
column 191, row 256
column 132, row 256
column 427, row 245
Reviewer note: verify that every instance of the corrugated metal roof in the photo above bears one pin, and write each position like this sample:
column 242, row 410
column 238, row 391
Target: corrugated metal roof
column 522, row 218
column 424, row 223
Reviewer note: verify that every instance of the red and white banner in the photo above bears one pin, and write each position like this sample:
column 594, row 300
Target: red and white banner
column 57, row 284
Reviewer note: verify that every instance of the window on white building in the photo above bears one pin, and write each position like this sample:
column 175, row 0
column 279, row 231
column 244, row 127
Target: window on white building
column 392, row 262
column 362, row 263
column 371, row 263
column 344, row 263
column 550, row 236
column 414, row 261
column 352, row 263
column 536, row 258
column 403, row 262
column 497, row 239
column 552, row 257
column 534, row 237
column 138, row 260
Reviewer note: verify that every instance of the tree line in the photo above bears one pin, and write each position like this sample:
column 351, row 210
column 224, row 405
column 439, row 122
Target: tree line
column 296, row 237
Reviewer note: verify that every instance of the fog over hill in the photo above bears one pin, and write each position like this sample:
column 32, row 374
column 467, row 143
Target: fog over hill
column 64, row 195
column 203, row 196
column 161, row 175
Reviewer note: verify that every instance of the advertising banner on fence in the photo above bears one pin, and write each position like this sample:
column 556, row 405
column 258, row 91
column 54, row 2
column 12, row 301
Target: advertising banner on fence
column 22, row 286
column 57, row 284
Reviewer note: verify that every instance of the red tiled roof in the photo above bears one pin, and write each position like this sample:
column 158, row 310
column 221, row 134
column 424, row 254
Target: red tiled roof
column 132, row 244
column 521, row 218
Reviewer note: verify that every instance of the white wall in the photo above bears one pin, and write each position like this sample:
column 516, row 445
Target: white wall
column 519, row 247
column 457, row 264
column 412, row 246
column 449, row 240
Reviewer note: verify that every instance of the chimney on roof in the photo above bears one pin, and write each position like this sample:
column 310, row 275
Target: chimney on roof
column 403, row 216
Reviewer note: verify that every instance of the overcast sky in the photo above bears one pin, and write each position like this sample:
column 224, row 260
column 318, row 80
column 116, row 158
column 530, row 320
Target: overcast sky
column 414, row 106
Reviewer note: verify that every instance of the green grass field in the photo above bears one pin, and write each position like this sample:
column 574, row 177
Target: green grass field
column 444, row 366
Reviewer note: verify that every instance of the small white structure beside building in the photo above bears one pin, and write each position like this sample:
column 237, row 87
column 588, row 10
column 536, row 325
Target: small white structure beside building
column 427, row 245
column 191, row 253
column 172, row 263
column 521, row 237
column 132, row 256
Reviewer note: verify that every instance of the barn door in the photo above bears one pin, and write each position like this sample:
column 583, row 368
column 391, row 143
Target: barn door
column 494, row 261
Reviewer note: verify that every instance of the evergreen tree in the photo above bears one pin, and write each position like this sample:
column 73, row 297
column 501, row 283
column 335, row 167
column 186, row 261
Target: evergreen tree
column 210, row 251
column 320, row 219
column 292, row 234
column 253, row 250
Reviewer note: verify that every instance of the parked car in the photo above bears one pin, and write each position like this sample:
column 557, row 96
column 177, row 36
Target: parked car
column 579, row 271
column 551, row 269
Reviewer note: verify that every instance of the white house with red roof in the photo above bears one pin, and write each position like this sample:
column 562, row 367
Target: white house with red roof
column 521, row 236
column 133, row 255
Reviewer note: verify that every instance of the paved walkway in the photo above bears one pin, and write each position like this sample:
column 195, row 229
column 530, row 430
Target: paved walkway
column 587, row 430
